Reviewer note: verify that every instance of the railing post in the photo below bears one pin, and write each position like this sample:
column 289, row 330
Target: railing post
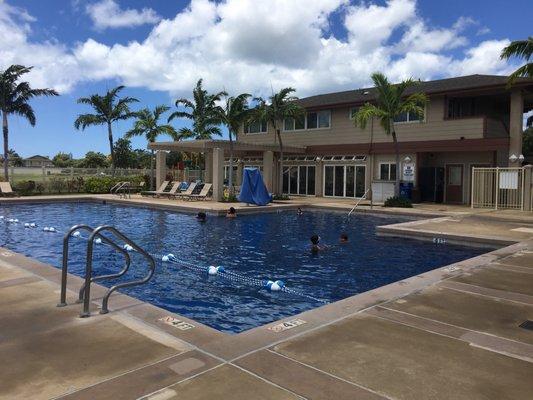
column 497, row 188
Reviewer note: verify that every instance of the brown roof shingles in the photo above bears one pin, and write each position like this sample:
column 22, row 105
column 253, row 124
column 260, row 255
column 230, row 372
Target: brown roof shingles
column 428, row 87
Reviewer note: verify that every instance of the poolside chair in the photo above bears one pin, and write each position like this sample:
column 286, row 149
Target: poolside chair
column 173, row 190
column 187, row 192
column 6, row 190
column 203, row 193
column 158, row 192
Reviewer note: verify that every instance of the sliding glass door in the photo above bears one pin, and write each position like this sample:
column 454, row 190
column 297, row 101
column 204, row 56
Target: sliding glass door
column 344, row 180
column 299, row 180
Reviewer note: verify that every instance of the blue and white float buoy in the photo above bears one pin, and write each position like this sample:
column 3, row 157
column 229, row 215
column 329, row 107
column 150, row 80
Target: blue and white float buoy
column 212, row 270
column 26, row 225
column 32, row 225
column 168, row 257
column 46, row 229
column 98, row 241
column 76, row 234
column 128, row 247
column 274, row 286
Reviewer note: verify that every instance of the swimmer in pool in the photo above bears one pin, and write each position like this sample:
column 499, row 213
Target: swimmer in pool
column 315, row 244
column 231, row 213
column 343, row 238
column 201, row 216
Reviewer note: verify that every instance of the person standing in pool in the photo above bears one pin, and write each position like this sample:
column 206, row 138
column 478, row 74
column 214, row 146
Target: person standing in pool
column 343, row 238
column 299, row 211
column 231, row 213
column 201, row 216
column 315, row 244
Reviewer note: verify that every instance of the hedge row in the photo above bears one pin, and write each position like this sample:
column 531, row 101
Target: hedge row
column 56, row 185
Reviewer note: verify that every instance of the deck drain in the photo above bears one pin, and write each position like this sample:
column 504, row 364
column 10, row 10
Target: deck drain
column 527, row 324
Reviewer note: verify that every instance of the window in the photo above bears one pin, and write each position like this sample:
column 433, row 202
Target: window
column 387, row 171
column 299, row 180
column 461, row 107
column 344, row 180
column 256, row 127
column 311, row 120
column 353, row 111
column 408, row 117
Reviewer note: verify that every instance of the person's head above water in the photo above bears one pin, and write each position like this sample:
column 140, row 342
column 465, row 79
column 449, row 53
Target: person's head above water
column 315, row 239
column 231, row 210
column 343, row 238
column 201, row 216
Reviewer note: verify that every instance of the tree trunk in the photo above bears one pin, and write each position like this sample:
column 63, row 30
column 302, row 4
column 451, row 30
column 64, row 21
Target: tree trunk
column 6, row 146
column 280, row 183
column 152, row 175
column 397, row 151
column 112, row 151
column 230, row 177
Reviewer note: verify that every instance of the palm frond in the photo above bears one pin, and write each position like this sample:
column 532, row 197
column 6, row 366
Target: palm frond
column 518, row 48
column 525, row 71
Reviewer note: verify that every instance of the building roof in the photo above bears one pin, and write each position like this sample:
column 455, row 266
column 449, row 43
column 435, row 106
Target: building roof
column 206, row 145
column 461, row 83
column 38, row 157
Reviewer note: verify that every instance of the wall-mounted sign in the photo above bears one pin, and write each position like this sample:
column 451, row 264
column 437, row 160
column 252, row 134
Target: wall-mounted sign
column 408, row 172
column 509, row 180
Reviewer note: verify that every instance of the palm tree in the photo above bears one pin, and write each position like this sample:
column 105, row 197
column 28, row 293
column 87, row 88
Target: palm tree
column 108, row 109
column 280, row 106
column 203, row 114
column 147, row 125
column 391, row 102
column 522, row 49
column 233, row 114
column 14, row 97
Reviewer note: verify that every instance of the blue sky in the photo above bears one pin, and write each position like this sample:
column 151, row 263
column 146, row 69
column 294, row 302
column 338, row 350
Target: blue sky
column 159, row 48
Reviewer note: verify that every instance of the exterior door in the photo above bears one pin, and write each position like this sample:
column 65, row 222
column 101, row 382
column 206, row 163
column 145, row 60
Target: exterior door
column 454, row 183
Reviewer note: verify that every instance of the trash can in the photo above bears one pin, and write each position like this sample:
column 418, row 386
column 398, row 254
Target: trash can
column 406, row 190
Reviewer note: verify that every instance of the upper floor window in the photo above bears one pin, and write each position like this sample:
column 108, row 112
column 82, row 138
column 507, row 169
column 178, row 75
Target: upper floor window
column 387, row 171
column 311, row 120
column 408, row 117
column 256, row 127
column 353, row 111
column 461, row 107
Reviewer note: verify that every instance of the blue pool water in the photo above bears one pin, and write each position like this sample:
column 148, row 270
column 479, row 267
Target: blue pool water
column 265, row 246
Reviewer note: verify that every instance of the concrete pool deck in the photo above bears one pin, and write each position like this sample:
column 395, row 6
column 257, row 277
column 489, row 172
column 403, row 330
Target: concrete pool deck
column 449, row 333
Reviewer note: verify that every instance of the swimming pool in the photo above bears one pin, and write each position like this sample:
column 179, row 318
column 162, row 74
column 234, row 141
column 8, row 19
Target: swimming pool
column 262, row 246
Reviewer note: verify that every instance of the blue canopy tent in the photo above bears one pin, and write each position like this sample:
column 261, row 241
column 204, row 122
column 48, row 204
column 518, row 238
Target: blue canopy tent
column 253, row 189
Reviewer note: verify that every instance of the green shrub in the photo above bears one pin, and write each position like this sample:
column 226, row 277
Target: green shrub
column 57, row 185
column 25, row 188
column 398, row 201
column 103, row 184
column 281, row 197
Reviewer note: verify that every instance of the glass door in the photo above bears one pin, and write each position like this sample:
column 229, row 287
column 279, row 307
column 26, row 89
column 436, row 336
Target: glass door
column 344, row 180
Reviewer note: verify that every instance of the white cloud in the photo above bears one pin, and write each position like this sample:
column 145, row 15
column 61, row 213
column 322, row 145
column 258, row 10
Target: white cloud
column 108, row 14
column 253, row 45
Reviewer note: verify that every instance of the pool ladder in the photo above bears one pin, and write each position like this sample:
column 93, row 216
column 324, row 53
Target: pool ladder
column 85, row 290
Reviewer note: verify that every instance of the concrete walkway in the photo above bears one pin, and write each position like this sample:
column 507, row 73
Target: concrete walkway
column 451, row 333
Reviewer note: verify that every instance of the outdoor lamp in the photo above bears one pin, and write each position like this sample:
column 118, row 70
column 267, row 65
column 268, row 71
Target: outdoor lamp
column 521, row 158
column 318, row 159
column 407, row 159
column 513, row 158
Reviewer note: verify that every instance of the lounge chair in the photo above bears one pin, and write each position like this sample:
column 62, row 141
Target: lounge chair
column 158, row 192
column 173, row 190
column 187, row 192
column 203, row 193
column 6, row 190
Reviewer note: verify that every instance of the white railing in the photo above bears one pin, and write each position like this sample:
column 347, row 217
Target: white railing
column 42, row 174
column 498, row 188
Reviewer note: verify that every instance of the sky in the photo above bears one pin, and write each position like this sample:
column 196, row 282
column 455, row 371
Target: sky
column 158, row 49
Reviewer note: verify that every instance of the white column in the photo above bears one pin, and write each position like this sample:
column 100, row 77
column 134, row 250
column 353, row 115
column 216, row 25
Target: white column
column 268, row 169
column 240, row 168
column 218, row 174
column 516, row 123
column 208, row 176
column 160, row 167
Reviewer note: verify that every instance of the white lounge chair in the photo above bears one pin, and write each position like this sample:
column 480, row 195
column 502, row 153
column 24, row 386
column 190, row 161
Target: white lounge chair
column 6, row 190
column 187, row 192
column 203, row 193
column 158, row 192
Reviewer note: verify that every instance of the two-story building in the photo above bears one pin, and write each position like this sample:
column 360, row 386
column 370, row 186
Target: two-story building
column 469, row 121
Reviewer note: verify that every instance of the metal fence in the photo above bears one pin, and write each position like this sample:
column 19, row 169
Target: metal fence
column 43, row 174
column 498, row 188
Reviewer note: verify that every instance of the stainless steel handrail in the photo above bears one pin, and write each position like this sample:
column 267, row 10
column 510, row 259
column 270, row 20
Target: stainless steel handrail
column 89, row 266
column 358, row 201
column 124, row 190
column 64, row 268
